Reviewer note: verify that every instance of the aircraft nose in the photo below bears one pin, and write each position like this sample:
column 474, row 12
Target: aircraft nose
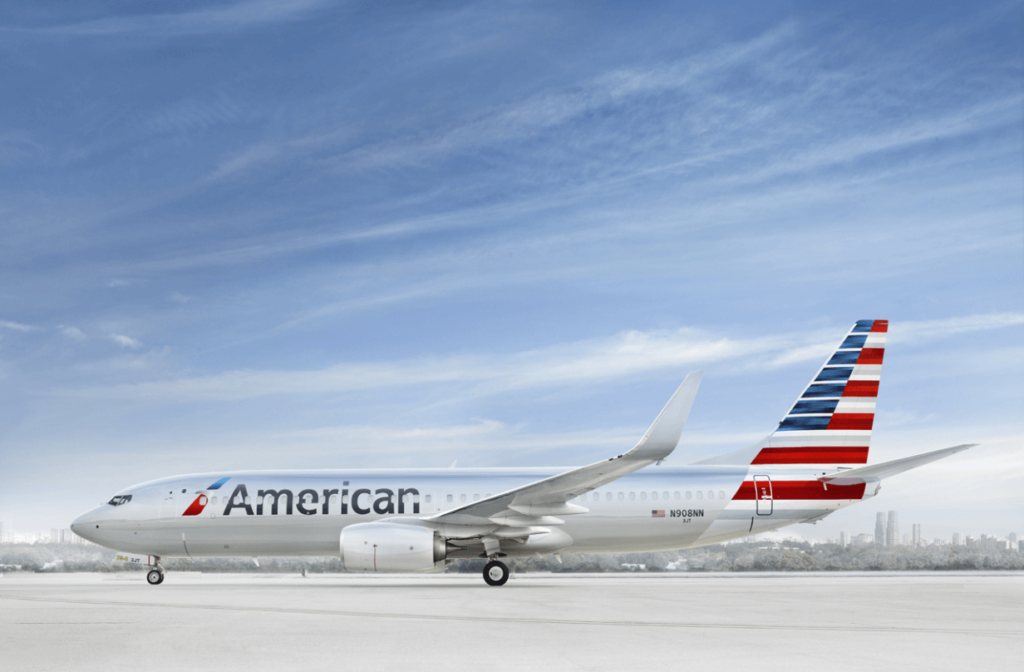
column 86, row 525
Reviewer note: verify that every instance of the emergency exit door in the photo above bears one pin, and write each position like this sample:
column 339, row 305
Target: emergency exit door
column 763, row 495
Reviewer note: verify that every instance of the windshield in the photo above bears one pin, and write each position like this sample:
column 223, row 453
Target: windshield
column 118, row 500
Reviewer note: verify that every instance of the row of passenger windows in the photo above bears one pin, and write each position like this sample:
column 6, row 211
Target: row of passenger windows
column 595, row 497
column 608, row 496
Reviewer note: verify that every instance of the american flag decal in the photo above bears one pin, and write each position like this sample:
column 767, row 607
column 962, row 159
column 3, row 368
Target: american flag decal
column 660, row 513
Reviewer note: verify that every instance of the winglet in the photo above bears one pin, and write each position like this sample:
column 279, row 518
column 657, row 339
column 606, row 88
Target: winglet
column 663, row 435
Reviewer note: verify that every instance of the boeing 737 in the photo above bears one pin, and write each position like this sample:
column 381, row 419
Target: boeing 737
column 417, row 520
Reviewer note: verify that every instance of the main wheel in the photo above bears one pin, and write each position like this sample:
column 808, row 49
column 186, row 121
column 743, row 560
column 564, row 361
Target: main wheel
column 155, row 577
column 495, row 573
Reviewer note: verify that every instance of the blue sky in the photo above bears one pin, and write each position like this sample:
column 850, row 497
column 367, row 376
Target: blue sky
column 313, row 234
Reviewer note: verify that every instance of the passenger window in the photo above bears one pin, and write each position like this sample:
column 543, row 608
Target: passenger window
column 654, row 495
column 597, row 497
column 643, row 495
column 676, row 494
column 664, row 495
column 721, row 494
column 334, row 499
column 462, row 498
column 621, row 496
column 632, row 495
column 689, row 495
column 476, row 498
column 426, row 498
column 608, row 497
column 711, row 494
column 214, row 501
column 248, row 501
column 700, row 495
column 449, row 499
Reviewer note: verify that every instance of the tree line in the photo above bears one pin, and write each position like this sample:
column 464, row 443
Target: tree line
column 790, row 556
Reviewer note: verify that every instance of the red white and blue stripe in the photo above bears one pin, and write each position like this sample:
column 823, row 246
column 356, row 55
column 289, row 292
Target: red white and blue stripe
column 830, row 423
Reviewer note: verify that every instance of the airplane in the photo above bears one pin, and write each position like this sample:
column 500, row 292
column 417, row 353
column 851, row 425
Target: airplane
column 418, row 520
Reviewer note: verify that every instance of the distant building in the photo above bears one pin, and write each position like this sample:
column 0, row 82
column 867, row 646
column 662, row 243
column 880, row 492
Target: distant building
column 1012, row 538
column 1, row 532
column 863, row 539
column 880, row 529
column 916, row 541
column 958, row 539
column 892, row 530
column 844, row 539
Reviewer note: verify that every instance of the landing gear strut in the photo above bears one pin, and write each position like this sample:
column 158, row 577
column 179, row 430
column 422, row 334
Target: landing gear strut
column 495, row 573
column 155, row 577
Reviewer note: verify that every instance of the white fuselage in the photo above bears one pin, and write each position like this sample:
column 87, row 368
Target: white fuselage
column 657, row 508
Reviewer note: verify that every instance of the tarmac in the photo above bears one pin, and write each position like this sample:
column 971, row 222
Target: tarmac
column 444, row 622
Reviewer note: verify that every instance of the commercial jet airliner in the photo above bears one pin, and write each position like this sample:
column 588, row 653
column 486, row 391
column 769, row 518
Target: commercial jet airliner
column 417, row 520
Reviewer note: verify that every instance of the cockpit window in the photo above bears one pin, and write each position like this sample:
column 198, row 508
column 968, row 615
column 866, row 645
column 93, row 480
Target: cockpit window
column 118, row 500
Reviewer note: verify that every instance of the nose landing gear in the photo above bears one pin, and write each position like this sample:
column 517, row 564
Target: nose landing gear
column 155, row 577
column 496, row 573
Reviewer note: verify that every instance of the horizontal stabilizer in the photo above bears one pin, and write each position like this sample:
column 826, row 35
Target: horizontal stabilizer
column 877, row 472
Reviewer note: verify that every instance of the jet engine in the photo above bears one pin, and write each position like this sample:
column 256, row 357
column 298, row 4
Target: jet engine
column 390, row 547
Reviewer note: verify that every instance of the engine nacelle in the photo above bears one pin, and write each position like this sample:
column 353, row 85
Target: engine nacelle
column 390, row 547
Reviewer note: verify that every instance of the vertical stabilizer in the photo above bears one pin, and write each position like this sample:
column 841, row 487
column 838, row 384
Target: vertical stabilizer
column 830, row 423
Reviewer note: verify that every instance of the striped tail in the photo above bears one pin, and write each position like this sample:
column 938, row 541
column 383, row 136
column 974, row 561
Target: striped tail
column 830, row 424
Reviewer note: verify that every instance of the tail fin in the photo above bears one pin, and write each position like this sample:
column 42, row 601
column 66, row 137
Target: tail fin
column 830, row 424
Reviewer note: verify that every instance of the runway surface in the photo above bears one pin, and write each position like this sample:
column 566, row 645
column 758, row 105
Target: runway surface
column 566, row 622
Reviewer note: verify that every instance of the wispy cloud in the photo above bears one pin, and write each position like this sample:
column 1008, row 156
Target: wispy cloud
column 547, row 110
column 231, row 18
column 249, row 157
column 125, row 341
column 625, row 355
column 909, row 332
column 74, row 333
column 196, row 114
column 17, row 326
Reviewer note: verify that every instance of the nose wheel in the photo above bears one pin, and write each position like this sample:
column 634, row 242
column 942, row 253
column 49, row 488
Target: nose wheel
column 495, row 573
column 154, row 577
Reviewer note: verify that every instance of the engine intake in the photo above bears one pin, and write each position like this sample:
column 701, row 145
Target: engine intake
column 390, row 547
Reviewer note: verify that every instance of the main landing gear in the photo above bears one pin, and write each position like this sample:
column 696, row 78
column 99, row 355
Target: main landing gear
column 495, row 573
column 155, row 576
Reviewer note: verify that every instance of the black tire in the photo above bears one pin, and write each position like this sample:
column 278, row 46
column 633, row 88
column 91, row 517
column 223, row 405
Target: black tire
column 496, row 573
column 155, row 577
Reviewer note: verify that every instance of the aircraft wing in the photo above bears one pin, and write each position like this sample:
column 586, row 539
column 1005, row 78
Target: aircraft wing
column 876, row 472
column 535, row 503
